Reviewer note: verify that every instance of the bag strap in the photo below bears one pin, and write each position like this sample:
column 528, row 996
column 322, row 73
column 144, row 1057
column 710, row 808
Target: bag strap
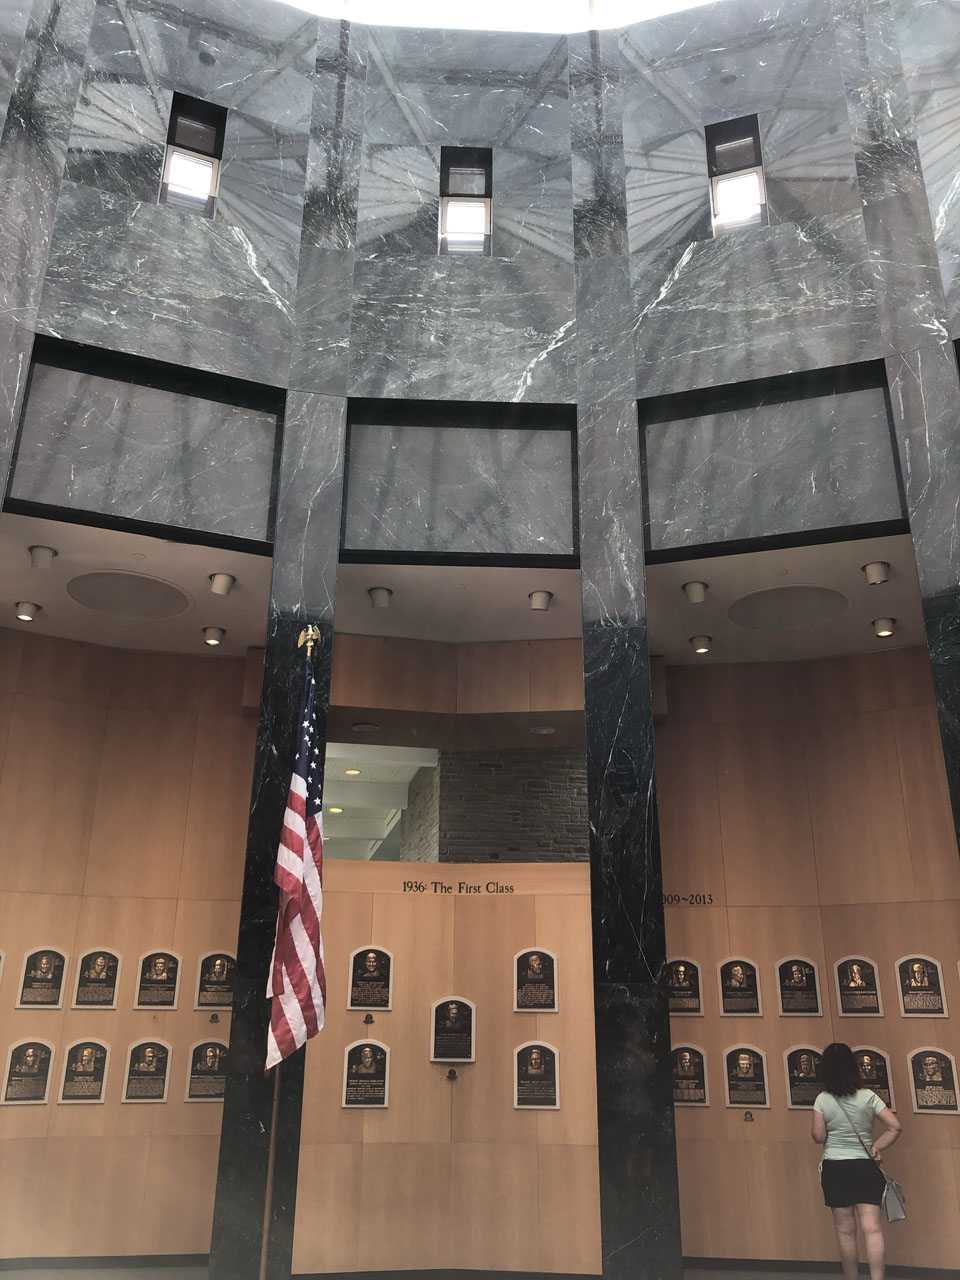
column 853, row 1126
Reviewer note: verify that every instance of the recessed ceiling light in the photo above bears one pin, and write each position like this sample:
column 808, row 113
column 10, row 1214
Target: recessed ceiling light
column 696, row 592
column 701, row 644
column 365, row 726
column 352, row 773
column 542, row 729
column 334, row 809
column 41, row 557
column 379, row 597
column 213, row 635
column 877, row 571
column 884, row 627
column 26, row 611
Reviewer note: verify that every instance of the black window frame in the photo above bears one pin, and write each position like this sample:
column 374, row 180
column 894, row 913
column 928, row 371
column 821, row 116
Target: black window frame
column 185, row 107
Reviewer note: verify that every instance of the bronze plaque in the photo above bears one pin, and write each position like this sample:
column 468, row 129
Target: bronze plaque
column 746, row 1078
column 28, row 1072
column 536, row 1081
column 371, row 976
column 798, row 988
column 452, row 1031
column 535, row 989
column 43, row 974
column 157, row 988
column 97, row 978
column 366, row 1074
column 803, row 1076
column 147, row 1070
column 858, row 988
column 921, row 988
column 84, row 1072
column 689, row 1077
column 739, row 989
column 215, row 981
column 874, row 1071
column 207, row 1081
column 683, row 987
column 934, row 1081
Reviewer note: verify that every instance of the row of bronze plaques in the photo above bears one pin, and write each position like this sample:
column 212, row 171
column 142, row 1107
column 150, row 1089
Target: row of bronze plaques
column 44, row 971
column 919, row 987
column 366, row 1068
column 932, row 1074
column 84, row 1077
column 372, row 971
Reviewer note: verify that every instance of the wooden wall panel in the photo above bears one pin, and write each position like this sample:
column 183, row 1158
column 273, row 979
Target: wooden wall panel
column 93, row 1193
column 930, row 830
column 6, row 713
column 418, row 675
column 786, row 1211
column 556, row 675
column 690, row 837
column 409, row 1184
column 65, row 670
column 493, row 677
column 355, row 674
column 569, row 1182
column 710, row 1224
column 331, row 1216
column 11, row 649
column 21, row 1162
column 47, row 792
column 218, row 808
column 171, row 1222
column 483, row 1176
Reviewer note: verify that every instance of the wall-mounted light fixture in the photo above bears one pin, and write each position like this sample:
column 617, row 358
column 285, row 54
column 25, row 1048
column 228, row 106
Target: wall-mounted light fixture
column 42, row 557
column 701, row 644
column 213, row 636
column 379, row 597
column 540, row 600
column 26, row 611
column 884, row 627
column 877, row 571
column 221, row 584
column 696, row 592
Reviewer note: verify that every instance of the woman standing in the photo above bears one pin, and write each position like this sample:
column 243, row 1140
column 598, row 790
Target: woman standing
column 852, row 1181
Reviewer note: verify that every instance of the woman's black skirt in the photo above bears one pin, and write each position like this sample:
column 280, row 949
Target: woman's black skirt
column 847, row 1182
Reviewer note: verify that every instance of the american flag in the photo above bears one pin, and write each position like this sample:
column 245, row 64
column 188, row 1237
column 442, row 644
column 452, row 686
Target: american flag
column 297, row 983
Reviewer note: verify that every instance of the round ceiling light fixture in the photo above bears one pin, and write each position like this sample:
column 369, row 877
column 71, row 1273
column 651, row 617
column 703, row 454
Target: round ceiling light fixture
column 27, row 611
column 877, row 572
column 884, row 627
column 696, row 592
column 352, row 773
column 787, row 608
column 701, row 644
column 335, row 809
column 213, row 636
column 41, row 557
column 128, row 595
column 221, row 584
column 540, row 600
column 379, row 597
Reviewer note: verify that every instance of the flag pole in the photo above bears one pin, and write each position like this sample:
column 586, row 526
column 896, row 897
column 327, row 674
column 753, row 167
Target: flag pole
column 271, row 1164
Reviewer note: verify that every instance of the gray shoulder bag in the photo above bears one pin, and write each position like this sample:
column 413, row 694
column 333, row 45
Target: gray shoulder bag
column 894, row 1202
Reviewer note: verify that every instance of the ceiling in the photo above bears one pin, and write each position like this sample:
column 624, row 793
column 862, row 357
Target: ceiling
column 372, row 796
column 456, row 604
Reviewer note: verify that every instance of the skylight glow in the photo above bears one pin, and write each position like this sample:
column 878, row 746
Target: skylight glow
column 499, row 15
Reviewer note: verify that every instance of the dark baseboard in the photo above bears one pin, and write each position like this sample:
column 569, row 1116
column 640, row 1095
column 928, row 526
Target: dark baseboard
column 143, row 1261
column 813, row 1268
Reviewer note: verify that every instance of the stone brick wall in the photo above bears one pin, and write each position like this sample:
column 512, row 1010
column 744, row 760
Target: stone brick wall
column 513, row 806
column 420, row 821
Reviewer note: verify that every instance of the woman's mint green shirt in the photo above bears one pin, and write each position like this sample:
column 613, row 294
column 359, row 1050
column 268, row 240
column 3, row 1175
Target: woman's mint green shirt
column 861, row 1108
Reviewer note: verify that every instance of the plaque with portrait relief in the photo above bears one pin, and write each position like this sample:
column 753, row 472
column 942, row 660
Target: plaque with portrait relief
column 798, row 988
column 920, row 987
column 27, row 1077
column 41, row 983
column 85, row 1072
column 803, row 1066
column 535, row 987
column 148, row 1071
column 689, row 1077
column 745, row 1072
column 536, row 1076
column 98, row 976
column 215, row 981
column 858, row 988
column 207, row 1077
column 452, row 1033
column 371, row 979
column 933, row 1074
column 873, row 1068
column 739, row 989
column 157, row 985
column 683, row 987
column 366, row 1074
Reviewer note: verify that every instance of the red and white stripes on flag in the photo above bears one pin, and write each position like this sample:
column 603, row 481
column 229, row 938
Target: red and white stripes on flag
column 297, row 985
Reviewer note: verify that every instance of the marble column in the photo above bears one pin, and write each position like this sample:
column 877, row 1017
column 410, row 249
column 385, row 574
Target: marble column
column 303, row 589
column 640, row 1217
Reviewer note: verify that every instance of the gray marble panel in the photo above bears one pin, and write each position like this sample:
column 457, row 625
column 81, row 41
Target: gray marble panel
column 480, row 490
column 606, row 369
column 153, row 281
column 808, row 161
column 96, row 444
column 15, row 347
column 459, row 328
column 14, row 15
column 754, row 303
column 779, row 466
column 262, row 177
column 398, row 207
column 467, row 88
column 336, row 130
column 34, row 147
column 321, row 341
column 532, row 205
column 257, row 58
column 596, row 140
column 910, row 299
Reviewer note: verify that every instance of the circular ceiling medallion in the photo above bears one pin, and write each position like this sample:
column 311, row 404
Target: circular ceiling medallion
column 786, row 608
column 128, row 595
